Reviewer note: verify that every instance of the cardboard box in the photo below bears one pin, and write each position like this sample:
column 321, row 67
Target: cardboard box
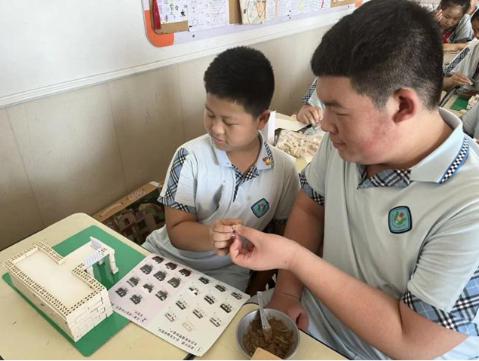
column 135, row 215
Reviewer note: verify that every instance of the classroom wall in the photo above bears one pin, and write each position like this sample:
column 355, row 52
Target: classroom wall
column 81, row 150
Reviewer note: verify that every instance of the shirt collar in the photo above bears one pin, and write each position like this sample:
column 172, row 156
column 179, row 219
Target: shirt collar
column 445, row 160
column 265, row 158
column 437, row 167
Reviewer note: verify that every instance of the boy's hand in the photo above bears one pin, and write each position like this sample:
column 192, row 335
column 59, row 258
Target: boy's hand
column 222, row 234
column 309, row 114
column 262, row 251
column 459, row 79
column 438, row 15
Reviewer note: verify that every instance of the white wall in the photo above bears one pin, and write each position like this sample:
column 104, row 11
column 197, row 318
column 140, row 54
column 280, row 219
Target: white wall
column 56, row 45
column 84, row 148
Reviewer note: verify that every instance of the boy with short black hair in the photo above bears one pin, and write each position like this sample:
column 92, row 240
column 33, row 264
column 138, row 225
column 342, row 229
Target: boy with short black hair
column 228, row 174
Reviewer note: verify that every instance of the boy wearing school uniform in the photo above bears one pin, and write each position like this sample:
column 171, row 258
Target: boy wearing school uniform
column 228, row 175
column 466, row 73
column 380, row 257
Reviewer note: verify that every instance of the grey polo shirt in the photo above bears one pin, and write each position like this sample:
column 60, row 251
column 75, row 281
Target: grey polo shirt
column 201, row 180
column 414, row 234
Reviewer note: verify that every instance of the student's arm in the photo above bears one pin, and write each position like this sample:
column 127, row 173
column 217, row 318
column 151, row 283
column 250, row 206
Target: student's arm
column 452, row 47
column 185, row 232
column 456, row 79
column 305, row 224
column 380, row 320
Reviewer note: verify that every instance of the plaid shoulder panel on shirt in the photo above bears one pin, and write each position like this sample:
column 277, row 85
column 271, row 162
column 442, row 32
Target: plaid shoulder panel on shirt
column 458, row 161
column 311, row 90
column 169, row 198
column 461, row 317
column 310, row 192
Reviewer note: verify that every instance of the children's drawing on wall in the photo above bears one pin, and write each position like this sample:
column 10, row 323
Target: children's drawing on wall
column 207, row 14
column 173, row 11
column 255, row 11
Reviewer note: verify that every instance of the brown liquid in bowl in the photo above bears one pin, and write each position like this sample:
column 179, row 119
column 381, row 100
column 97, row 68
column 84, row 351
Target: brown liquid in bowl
column 280, row 343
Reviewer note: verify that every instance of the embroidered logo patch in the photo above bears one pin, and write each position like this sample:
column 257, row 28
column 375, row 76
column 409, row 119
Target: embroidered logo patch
column 260, row 208
column 400, row 220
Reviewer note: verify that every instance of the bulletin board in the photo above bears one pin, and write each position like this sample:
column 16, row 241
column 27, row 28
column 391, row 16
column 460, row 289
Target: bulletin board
column 169, row 22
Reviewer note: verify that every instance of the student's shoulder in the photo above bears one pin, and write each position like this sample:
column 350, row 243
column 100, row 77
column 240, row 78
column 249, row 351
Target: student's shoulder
column 197, row 145
column 467, row 181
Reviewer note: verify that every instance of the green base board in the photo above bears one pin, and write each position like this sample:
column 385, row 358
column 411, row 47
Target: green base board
column 126, row 259
column 460, row 103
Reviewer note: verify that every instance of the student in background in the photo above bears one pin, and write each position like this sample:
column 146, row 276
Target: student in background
column 311, row 111
column 228, row 174
column 454, row 23
column 380, row 257
column 466, row 73
column 470, row 122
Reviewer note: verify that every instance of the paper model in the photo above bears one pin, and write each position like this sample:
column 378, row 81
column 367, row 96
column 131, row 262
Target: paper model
column 64, row 288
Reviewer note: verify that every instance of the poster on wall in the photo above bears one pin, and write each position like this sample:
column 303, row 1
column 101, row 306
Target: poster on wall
column 208, row 14
column 257, row 11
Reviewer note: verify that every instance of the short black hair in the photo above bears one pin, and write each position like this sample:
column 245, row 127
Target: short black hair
column 464, row 4
column 244, row 75
column 383, row 46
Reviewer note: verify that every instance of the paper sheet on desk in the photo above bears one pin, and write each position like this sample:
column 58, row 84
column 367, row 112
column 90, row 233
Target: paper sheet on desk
column 288, row 122
column 178, row 304
column 280, row 121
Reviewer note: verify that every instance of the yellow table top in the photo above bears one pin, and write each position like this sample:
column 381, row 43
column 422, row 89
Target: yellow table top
column 26, row 335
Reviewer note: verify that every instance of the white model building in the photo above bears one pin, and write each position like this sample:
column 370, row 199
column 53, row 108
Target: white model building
column 64, row 288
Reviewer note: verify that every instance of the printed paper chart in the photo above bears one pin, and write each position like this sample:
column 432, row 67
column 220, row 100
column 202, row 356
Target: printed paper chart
column 180, row 305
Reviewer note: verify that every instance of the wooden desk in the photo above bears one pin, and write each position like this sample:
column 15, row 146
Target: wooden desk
column 227, row 348
column 27, row 335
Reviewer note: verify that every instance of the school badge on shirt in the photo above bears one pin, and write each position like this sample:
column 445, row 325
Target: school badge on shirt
column 260, row 208
column 400, row 220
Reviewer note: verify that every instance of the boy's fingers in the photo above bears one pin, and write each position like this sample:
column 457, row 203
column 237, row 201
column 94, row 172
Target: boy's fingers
column 221, row 237
column 250, row 234
column 222, row 244
column 221, row 228
column 222, row 252
column 231, row 221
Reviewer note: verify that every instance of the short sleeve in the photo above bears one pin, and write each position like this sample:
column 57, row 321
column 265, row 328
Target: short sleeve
column 180, row 184
column 469, row 64
column 289, row 192
column 463, row 31
column 312, row 178
column 310, row 92
column 470, row 121
column 445, row 284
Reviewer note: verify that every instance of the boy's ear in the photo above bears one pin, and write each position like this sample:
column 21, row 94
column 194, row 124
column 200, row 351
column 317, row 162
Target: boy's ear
column 406, row 104
column 263, row 119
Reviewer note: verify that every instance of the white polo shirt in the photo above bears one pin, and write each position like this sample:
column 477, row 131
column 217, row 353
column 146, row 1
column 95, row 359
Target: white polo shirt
column 414, row 234
column 201, row 180
column 470, row 121
column 469, row 67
